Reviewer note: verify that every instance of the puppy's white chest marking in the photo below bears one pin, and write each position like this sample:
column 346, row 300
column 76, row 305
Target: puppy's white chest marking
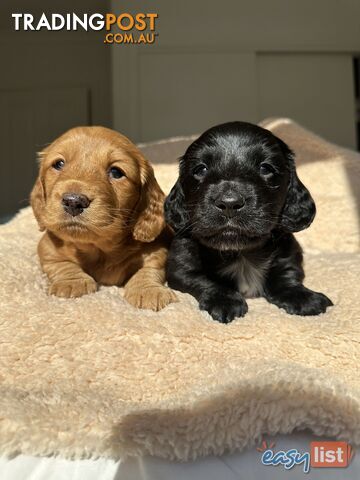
column 249, row 276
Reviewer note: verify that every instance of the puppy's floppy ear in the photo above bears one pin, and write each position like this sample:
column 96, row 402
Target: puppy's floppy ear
column 150, row 221
column 37, row 197
column 299, row 209
column 175, row 212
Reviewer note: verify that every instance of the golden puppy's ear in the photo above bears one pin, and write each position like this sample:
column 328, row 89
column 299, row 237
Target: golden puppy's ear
column 37, row 198
column 150, row 221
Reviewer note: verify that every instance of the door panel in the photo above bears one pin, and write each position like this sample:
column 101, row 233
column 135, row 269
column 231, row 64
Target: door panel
column 183, row 93
column 315, row 89
column 49, row 82
column 241, row 59
column 31, row 119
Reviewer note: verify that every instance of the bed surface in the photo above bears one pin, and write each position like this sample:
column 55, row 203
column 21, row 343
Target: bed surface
column 245, row 465
column 91, row 377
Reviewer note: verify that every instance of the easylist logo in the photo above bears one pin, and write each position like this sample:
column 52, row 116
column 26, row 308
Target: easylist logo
column 126, row 28
column 325, row 454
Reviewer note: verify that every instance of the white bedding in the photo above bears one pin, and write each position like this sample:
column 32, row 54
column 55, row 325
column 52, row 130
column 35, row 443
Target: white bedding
column 246, row 465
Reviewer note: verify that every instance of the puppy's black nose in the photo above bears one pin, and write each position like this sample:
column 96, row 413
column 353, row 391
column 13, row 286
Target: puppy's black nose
column 74, row 203
column 230, row 203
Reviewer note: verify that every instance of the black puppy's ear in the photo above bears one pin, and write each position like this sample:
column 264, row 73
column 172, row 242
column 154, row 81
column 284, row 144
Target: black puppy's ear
column 175, row 213
column 299, row 209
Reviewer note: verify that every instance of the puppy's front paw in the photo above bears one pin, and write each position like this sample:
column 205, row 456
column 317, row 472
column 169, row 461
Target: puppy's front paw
column 302, row 301
column 152, row 298
column 224, row 307
column 73, row 288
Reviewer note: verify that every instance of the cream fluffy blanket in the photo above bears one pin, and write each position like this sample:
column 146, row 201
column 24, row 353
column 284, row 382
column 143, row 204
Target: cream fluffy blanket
column 94, row 376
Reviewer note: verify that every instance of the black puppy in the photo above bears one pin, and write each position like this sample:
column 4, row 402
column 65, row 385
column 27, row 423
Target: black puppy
column 233, row 209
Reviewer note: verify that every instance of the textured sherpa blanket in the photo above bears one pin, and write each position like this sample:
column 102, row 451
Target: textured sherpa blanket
column 94, row 376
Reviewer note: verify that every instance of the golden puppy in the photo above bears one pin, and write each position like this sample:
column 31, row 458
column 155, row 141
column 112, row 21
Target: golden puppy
column 102, row 208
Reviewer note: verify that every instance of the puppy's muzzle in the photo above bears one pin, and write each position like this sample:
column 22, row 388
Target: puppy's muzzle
column 229, row 203
column 74, row 204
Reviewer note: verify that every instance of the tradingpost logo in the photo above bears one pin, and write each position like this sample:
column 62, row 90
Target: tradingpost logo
column 125, row 28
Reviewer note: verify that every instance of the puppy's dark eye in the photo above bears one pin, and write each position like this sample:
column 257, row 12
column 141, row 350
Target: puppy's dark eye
column 200, row 171
column 115, row 173
column 59, row 164
column 267, row 169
